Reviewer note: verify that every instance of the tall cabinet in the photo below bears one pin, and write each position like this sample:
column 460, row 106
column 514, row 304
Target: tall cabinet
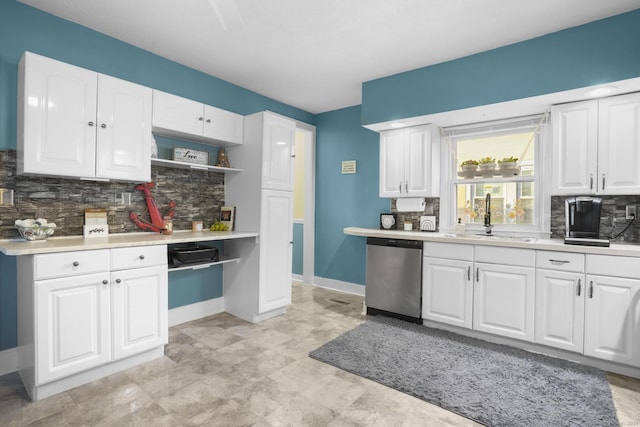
column 259, row 286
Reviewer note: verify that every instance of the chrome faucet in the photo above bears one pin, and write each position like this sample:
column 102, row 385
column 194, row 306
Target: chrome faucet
column 487, row 214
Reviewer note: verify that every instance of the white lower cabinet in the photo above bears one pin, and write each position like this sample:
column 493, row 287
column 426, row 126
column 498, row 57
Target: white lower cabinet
column 560, row 309
column 447, row 292
column 72, row 323
column 87, row 309
column 503, row 300
column 612, row 319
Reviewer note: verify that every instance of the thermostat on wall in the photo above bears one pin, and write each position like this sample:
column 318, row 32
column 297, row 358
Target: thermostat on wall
column 348, row 166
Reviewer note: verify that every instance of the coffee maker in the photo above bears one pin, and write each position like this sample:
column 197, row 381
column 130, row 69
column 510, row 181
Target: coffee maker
column 582, row 217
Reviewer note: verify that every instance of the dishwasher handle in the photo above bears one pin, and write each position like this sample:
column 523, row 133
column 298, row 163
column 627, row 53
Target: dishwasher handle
column 394, row 243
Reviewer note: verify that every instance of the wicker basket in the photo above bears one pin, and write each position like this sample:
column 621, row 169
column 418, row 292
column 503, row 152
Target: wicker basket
column 35, row 233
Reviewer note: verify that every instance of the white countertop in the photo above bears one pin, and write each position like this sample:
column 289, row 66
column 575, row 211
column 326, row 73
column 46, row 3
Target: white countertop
column 117, row 240
column 618, row 249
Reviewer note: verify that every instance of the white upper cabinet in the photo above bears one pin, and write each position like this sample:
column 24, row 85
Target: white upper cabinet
column 410, row 162
column 278, row 152
column 78, row 123
column 183, row 118
column 596, row 146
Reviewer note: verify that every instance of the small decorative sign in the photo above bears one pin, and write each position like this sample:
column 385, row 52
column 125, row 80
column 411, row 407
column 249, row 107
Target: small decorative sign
column 189, row 155
column 101, row 230
column 228, row 216
column 348, row 167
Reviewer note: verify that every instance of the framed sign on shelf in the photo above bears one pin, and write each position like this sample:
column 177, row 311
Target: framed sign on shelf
column 228, row 216
column 189, row 155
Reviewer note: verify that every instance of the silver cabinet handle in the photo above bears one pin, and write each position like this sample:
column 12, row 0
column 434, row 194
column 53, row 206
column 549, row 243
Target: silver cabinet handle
column 118, row 281
column 208, row 120
column 201, row 118
column 90, row 123
column 591, row 182
column 469, row 273
column 591, row 289
column 603, row 181
column 558, row 261
column 141, row 257
column 103, row 126
column 400, row 187
column 105, row 282
column 579, row 286
column 406, row 187
column 477, row 274
column 75, row 263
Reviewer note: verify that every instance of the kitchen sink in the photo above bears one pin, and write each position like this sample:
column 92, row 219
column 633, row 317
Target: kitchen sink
column 504, row 238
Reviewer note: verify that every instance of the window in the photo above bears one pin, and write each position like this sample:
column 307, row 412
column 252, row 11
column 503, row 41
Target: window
column 501, row 159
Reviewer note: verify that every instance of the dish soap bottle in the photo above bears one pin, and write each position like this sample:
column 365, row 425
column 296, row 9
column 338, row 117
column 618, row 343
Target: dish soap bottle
column 459, row 228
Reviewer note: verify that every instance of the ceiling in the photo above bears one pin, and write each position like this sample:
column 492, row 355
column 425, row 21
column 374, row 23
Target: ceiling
column 315, row 54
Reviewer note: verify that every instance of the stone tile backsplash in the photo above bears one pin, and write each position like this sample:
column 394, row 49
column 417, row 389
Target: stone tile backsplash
column 431, row 207
column 612, row 218
column 199, row 196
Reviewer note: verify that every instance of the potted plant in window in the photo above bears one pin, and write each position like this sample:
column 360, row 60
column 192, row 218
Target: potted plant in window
column 469, row 168
column 487, row 166
column 508, row 166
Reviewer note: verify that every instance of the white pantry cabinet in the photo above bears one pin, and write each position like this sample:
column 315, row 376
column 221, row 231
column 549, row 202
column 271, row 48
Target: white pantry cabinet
column 410, row 162
column 83, row 310
column 75, row 122
column 259, row 286
column 187, row 119
column 596, row 146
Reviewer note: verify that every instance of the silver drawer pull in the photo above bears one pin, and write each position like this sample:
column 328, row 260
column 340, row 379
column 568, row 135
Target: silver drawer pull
column 141, row 257
column 105, row 282
column 118, row 281
column 75, row 263
column 558, row 261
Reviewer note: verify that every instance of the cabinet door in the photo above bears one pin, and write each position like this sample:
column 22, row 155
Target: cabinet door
column 612, row 319
column 447, row 291
column 392, row 160
column 619, row 145
column 56, row 124
column 418, row 164
column 222, row 125
column 277, row 152
column 559, row 311
column 504, row 300
column 123, row 149
column 72, row 325
column 575, row 150
column 276, row 236
column 177, row 114
column 140, row 307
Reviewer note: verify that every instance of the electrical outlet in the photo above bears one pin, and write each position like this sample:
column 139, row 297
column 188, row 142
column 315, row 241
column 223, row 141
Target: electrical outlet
column 631, row 211
column 125, row 199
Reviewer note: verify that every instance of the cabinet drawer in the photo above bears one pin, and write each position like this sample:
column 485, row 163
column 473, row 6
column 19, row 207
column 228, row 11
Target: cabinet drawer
column 138, row 257
column 509, row 256
column 562, row 261
column 63, row 264
column 607, row 265
column 448, row 250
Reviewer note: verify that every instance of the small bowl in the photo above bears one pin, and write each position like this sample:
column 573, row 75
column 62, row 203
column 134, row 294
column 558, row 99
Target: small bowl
column 35, row 233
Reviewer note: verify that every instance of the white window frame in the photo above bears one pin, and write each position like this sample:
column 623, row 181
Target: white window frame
column 542, row 188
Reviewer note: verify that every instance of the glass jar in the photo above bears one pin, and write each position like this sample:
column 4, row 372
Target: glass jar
column 167, row 225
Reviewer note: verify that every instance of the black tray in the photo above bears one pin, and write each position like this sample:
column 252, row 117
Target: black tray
column 192, row 253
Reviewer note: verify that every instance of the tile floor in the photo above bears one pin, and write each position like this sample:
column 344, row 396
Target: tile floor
column 223, row 371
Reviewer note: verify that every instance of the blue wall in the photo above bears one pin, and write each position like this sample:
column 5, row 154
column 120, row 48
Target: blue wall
column 345, row 200
column 24, row 28
column 297, row 262
column 599, row 52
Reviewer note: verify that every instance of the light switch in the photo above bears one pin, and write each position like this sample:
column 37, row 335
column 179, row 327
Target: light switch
column 6, row 197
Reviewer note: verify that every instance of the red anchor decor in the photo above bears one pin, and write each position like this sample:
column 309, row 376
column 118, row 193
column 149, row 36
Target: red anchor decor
column 157, row 225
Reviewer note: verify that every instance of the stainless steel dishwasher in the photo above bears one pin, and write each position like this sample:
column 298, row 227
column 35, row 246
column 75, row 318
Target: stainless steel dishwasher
column 394, row 278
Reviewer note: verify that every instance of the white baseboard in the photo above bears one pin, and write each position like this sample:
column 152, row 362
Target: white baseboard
column 297, row 278
column 195, row 311
column 338, row 285
column 8, row 361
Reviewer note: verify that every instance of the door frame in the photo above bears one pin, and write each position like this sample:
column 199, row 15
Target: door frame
column 308, row 257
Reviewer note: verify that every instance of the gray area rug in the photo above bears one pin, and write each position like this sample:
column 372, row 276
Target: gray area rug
column 492, row 384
